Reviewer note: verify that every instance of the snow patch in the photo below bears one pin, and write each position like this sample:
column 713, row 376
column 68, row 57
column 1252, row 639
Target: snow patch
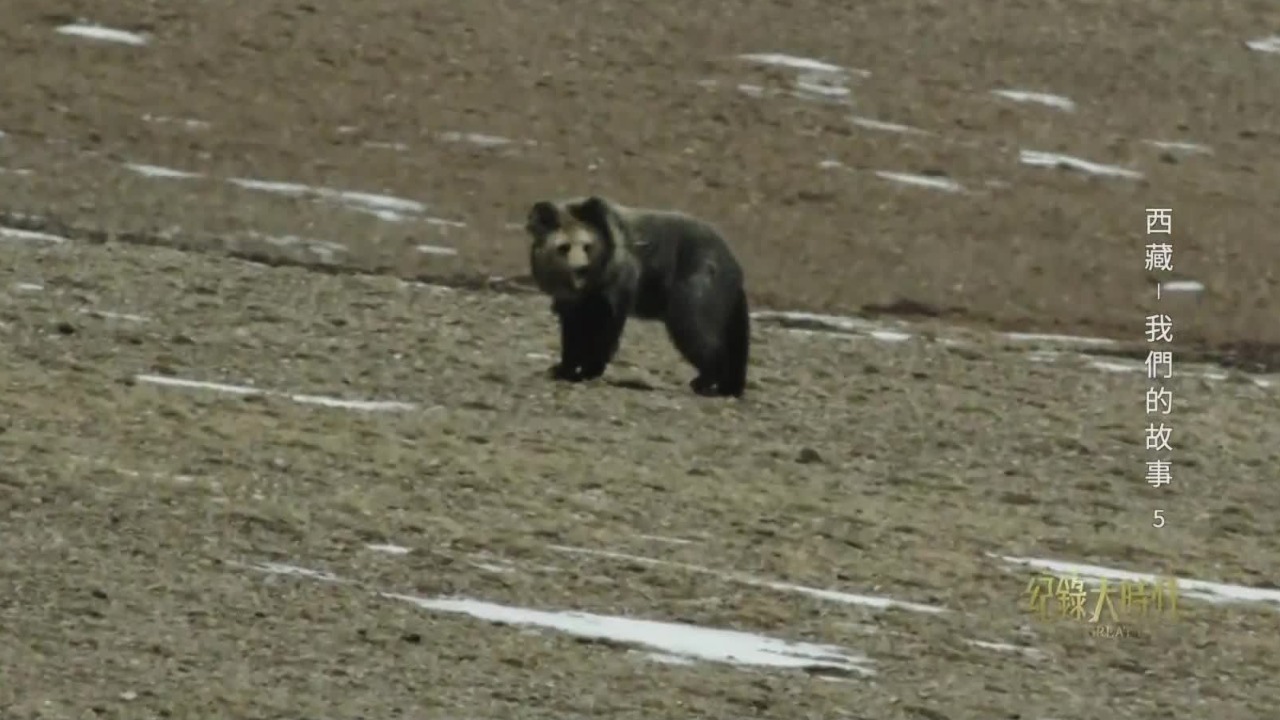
column 109, row 315
column 1006, row 647
column 1214, row 592
column 436, row 250
column 1187, row 147
column 927, row 181
column 322, row 400
column 871, row 124
column 815, row 79
column 8, row 233
column 1183, row 286
column 880, row 603
column 1266, row 45
column 818, row 321
column 185, row 122
column 673, row 642
column 105, row 34
column 156, row 171
column 800, row 63
column 475, row 139
column 384, row 207
column 1046, row 99
column 892, row 336
column 1053, row 160
column 1063, row 339
column 681, row 640
column 325, row 250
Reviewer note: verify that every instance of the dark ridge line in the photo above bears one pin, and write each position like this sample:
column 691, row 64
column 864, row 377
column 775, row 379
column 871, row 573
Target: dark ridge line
column 1246, row 357
column 516, row 285
column 1128, row 351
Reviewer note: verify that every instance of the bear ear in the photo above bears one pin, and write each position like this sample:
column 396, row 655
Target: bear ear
column 593, row 211
column 543, row 218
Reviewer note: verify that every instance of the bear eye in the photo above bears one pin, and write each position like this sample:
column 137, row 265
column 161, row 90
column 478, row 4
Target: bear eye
column 562, row 249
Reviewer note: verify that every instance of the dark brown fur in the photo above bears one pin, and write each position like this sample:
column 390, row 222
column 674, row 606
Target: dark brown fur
column 602, row 263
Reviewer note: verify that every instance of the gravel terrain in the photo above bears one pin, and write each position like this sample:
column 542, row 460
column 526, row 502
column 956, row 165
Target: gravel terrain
column 276, row 439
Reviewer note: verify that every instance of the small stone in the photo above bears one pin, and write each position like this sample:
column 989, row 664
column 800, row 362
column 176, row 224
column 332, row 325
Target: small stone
column 808, row 456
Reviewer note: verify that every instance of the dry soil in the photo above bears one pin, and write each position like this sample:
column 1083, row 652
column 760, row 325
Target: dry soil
column 158, row 537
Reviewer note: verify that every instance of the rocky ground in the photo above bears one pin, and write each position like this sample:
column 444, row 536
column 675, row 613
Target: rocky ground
column 259, row 463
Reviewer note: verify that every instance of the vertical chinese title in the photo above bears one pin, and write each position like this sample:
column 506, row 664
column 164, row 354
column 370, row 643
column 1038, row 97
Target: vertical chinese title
column 1159, row 364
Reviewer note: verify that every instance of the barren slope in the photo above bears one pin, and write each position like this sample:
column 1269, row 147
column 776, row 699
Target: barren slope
column 895, row 470
column 652, row 104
